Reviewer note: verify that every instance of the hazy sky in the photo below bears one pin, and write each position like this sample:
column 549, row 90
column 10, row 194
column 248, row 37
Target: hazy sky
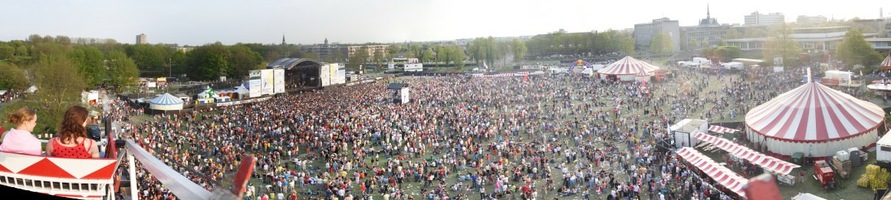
column 357, row 21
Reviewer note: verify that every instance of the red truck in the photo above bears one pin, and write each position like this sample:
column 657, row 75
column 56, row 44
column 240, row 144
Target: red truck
column 823, row 174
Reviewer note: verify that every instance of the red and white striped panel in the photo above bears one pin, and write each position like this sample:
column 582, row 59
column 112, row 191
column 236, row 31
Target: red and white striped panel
column 497, row 75
column 814, row 112
column 767, row 162
column 628, row 65
column 721, row 129
column 887, row 62
column 717, row 172
column 89, row 169
column 58, row 170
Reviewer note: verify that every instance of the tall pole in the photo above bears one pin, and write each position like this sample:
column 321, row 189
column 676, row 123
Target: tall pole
column 169, row 74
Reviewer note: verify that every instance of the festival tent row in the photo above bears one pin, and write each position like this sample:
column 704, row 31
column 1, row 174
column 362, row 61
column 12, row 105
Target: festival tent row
column 767, row 162
column 815, row 120
column 723, row 176
column 627, row 69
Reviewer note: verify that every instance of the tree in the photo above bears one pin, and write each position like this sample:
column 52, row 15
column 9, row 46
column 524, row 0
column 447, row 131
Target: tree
column 661, row 44
column 427, row 56
column 378, row 57
column 90, row 64
column 209, row 62
column 59, row 85
column 243, row 60
column 458, row 56
column 150, row 59
column 722, row 53
column 855, row 50
column 358, row 59
column 625, row 44
column 519, row 49
column 12, row 77
column 781, row 45
column 7, row 52
column 442, row 53
column 122, row 71
column 21, row 51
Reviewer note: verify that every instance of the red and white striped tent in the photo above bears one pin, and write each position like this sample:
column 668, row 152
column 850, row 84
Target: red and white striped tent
column 815, row 120
column 723, row 176
column 628, row 65
column 767, row 162
column 721, row 129
column 886, row 64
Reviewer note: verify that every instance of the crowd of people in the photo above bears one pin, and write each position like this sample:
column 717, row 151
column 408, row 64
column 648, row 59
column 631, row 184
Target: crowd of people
column 460, row 137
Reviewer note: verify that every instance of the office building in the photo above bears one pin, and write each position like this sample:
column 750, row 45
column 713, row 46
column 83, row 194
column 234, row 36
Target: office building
column 758, row 19
column 141, row 39
column 644, row 33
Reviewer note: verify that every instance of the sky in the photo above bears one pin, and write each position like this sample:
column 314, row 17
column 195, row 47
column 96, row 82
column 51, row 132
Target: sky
column 198, row 22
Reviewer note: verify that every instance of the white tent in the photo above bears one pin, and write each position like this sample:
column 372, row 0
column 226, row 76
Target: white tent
column 166, row 102
column 807, row 196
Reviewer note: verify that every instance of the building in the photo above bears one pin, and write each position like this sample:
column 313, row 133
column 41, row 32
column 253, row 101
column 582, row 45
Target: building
column 372, row 49
column 878, row 26
column 707, row 34
column 809, row 39
column 141, row 39
column 810, row 20
column 326, row 51
column 758, row 19
column 644, row 33
column 881, row 44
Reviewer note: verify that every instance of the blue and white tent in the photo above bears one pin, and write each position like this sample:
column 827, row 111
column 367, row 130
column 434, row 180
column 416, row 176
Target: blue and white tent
column 166, row 102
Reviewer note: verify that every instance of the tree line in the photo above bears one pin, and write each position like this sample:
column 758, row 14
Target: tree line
column 584, row 44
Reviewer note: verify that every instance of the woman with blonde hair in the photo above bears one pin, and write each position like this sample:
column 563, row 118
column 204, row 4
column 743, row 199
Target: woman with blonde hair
column 72, row 141
column 20, row 139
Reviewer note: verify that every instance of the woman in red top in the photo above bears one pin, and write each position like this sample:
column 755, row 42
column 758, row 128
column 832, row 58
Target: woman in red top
column 72, row 141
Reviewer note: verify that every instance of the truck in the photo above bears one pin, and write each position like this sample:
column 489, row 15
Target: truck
column 824, row 174
column 883, row 151
column 733, row 65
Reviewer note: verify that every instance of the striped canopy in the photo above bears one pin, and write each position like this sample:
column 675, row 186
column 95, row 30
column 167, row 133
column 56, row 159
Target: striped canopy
column 166, row 99
column 754, row 157
column 886, row 64
column 814, row 113
column 723, row 176
column 628, row 65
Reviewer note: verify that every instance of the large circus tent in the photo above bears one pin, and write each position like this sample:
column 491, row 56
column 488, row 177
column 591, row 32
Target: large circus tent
column 815, row 120
column 166, row 102
column 628, row 69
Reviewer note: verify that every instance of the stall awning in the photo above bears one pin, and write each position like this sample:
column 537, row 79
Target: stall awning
column 721, row 129
column 767, row 162
column 723, row 176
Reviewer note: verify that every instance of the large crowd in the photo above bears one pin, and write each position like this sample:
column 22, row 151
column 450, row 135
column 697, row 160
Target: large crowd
column 459, row 137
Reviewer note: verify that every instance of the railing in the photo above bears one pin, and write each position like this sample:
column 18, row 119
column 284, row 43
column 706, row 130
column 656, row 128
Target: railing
column 96, row 178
